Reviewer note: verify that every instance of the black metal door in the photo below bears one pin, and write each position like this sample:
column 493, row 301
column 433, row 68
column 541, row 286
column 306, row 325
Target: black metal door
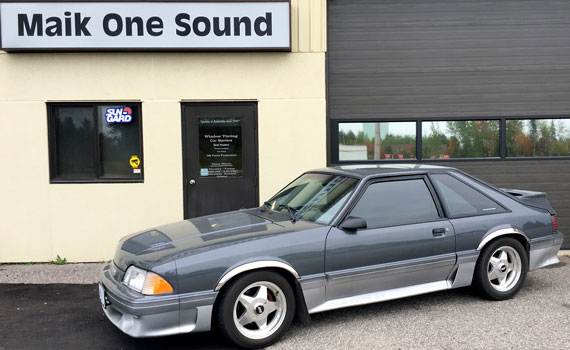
column 220, row 157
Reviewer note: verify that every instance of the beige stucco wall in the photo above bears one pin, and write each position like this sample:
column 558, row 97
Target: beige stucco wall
column 83, row 222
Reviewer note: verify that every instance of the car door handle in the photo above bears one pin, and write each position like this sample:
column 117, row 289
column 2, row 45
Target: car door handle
column 438, row 232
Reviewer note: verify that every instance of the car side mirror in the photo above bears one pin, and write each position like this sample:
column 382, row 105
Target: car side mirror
column 353, row 223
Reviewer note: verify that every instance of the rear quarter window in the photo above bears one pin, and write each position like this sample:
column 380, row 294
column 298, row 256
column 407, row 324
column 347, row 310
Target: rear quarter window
column 460, row 199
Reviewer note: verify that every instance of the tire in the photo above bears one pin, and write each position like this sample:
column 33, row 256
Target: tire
column 256, row 309
column 501, row 269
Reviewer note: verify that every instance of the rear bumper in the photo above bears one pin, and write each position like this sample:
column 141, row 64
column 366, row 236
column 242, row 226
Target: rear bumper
column 151, row 316
column 544, row 252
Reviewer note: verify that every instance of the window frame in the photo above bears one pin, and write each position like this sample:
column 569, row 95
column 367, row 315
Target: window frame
column 354, row 201
column 334, row 130
column 54, row 179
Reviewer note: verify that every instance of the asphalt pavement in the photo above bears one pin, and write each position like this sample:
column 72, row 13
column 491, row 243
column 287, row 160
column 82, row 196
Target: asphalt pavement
column 69, row 316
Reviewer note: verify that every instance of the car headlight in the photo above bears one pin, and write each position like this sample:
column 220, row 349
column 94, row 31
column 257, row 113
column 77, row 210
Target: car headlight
column 146, row 282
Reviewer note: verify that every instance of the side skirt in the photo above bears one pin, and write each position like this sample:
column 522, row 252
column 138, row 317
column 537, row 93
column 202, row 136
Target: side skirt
column 375, row 297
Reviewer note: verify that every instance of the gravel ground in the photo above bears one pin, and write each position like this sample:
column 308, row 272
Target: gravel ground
column 49, row 273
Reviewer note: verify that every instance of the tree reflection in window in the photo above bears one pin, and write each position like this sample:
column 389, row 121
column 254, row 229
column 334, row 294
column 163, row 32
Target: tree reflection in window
column 460, row 139
column 538, row 137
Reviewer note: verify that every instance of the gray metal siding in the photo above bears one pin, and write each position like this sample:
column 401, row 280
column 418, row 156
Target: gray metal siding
column 456, row 58
column 416, row 58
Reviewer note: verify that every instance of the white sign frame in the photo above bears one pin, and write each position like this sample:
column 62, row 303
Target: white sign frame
column 146, row 26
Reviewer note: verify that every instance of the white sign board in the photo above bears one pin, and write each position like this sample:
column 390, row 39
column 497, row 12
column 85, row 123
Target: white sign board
column 145, row 26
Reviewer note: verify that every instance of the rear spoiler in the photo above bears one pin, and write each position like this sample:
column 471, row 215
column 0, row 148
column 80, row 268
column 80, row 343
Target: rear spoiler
column 530, row 198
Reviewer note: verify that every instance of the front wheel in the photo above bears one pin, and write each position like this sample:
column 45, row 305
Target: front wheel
column 501, row 269
column 256, row 309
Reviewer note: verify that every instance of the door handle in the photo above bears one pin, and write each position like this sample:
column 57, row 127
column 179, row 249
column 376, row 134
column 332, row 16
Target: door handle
column 439, row 232
column 192, row 182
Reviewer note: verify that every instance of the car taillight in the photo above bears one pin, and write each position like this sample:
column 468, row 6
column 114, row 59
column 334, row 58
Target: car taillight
column 554, row 223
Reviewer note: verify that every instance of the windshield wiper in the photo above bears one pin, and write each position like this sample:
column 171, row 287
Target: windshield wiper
column 292, row 211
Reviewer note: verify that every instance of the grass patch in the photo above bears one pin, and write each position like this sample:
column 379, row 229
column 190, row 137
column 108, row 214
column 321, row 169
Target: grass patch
column 59, row 261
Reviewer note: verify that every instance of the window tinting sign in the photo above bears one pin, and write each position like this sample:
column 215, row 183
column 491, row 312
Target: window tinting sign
column 220, row 147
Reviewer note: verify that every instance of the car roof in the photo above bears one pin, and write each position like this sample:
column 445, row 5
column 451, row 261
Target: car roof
column 367, row 170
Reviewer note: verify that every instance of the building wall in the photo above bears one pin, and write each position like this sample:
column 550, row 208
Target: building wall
column 414, row 59
column 83, row 222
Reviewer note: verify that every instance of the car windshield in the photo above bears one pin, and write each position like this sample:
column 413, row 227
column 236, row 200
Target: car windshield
column 313, row 197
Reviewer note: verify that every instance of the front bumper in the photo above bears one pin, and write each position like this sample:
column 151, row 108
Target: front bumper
column 544, row 252
column 151, row 316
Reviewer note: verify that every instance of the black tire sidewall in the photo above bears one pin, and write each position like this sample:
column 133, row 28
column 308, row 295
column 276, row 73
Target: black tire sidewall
column 482, row 282
column 228, row 296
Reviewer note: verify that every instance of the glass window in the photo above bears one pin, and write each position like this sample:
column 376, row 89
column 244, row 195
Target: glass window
column 376, row 140
column 460, row 139
column 538, row 137
column 118, row 142
column 74, row 141
column 314, row 197
column 95, row 142
column 459, row 199
column 392, row 203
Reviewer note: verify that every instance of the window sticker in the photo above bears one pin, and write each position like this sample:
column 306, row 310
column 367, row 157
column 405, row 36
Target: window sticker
column 135, row 162
column 119, row 115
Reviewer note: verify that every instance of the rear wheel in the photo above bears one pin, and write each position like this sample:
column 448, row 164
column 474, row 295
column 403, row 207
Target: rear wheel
column 501, row 269
column 256, row 309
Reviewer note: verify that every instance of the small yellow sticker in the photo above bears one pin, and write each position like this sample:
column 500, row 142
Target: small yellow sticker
column 135, row 162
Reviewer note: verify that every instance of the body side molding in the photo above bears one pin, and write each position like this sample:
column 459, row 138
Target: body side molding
column 383, row 295
column 502, row 232
column 254, row 266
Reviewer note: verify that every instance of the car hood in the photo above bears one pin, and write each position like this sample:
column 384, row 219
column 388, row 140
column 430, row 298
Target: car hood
column 149, row 247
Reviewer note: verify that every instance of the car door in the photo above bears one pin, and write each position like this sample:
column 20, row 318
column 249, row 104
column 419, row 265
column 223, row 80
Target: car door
column 407, row 241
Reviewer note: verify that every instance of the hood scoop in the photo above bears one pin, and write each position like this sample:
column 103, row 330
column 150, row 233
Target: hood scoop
column 149, row 241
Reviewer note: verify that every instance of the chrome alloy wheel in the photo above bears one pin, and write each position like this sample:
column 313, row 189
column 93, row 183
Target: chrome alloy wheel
column 259, row 310
column 504, row 269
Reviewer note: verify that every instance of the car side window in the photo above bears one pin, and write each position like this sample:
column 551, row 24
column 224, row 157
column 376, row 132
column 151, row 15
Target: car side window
column 459, row 199
column 397, row 202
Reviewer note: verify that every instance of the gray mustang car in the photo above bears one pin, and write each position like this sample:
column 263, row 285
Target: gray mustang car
column 333, row 238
